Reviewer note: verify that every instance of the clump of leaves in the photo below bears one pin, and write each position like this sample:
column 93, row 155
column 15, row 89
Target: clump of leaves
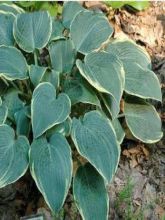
column 61, row 86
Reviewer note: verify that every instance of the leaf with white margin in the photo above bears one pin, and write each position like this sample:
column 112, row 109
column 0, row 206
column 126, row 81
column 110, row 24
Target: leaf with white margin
column 32, row 30
column 111, row 105
column 53, row 77
column 89, row 30
column 3, row 112
column 79, row 91
column 95, row 139
column 22, row 121
column 141, row 82
column 6, row 29
column 13, row 102
column 11, row 8
column 64, row 128
column 129, row 51
column 90, row 193
column 36, row 74
column 13, row 156
column 62, row 55
column 46, row 109
column 105, row 72
column 51, row 168
column 12, row 63
column 57, row 30
column 119, row 130
column 70, row 9
column 143, row 121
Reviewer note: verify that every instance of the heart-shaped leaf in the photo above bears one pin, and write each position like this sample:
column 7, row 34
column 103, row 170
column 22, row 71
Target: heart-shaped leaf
column 51, row 168
column 89, row 30
column 140, row 82
column 79, row 91
column 36, row 74
column 103, row 71
column 6, row 29
column 46, row 109
column 57, row 30
column 32, row 30
column 3, row 112
column 12, row 63
column 13, row 102
column 90, row 194
column 128, row 51
column 13, row 156
column 53, row 77
column 62, row 55
column 11, row 8
column 95, row 139
column 70, row 9
column 143, row 121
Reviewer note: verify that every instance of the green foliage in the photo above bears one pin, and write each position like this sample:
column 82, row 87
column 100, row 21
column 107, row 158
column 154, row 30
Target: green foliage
column 138, row 5
column 63, row 79
column 124, row 198
column 52, row 7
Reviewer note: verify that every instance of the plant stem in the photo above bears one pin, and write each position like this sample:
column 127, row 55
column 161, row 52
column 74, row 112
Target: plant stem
column 35, row 58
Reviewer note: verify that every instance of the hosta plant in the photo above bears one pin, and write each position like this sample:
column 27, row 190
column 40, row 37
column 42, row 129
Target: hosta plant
column 68, row 94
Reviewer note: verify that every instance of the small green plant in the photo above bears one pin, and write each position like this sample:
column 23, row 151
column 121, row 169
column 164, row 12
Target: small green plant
column 138, row 5
column 52, row 7
column 124, row 198
column 61, row 85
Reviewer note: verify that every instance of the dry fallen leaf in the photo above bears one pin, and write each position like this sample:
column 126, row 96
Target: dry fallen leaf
column 160, row 212
column 145, row 151
column 133, row 162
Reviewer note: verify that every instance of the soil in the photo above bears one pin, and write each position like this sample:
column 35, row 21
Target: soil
column 138, row 188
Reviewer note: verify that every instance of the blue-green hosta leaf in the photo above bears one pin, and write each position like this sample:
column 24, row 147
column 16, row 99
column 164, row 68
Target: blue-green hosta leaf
column 53, row 77
column 51, row 168
column 64, row 128
column 48, row 110
column 128, row 51
column 95, row 139
column 62, row 55
column 70, row 9
column 11, row 8
column 36, row 74
column 90, row 194
column 13, row 156
column 111, row 104
column 57, row 30
column 79, row 91
column 12, row 63
column 6, row 29
column 22, row 121
column 141, row 82
column 3, row 112
column 143, row 121
column 89, row 30
column 103, row 71
column 12, row 102
column 119, row 130
column 32, row 30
